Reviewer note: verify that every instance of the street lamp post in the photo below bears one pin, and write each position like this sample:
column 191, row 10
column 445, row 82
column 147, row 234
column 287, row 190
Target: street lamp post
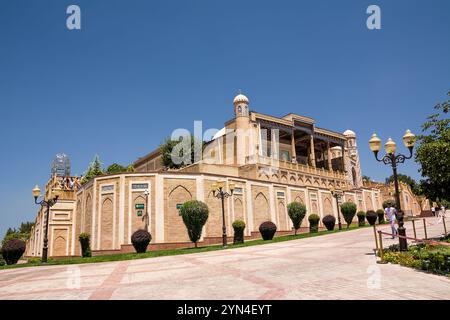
column 47, row 203
column 146, row 217
column 219, row 192
column 337, row 194
column 409, row 139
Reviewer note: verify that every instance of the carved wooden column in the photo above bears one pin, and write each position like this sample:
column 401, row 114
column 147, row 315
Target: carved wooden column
column 330, row 165
column 343, row 157
column 312, row 155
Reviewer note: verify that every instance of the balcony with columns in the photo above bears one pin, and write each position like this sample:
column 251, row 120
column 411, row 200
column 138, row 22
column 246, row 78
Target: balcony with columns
column 301, row 147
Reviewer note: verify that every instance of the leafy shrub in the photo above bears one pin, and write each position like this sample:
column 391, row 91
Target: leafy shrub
column 85, row 239
column 329, row 221
column 313, row 220
column 267, row 230
column 394, row 247
column 371, row 217
column 380, row 213
column 23, row 233
column 348, row 210
column 34, row 260
column 389, row 203
column 2, row 262
column 296, row 212
column 445, row 238
column 433, row 259
column 194, row 214
column 238, row 226
column 12, row 250
column 361, row 218
column 140, row 240
column 116, row 168
column 167, row 149
column 131, row 168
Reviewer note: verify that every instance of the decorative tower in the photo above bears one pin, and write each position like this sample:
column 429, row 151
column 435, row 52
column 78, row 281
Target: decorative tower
column 351, row 160
column 242, row 131
column 241, row 103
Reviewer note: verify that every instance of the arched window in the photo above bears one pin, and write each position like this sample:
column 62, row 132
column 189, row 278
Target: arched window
column 239, row 110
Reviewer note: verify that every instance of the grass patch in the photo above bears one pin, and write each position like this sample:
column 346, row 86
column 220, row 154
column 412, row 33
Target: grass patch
column 173, row 252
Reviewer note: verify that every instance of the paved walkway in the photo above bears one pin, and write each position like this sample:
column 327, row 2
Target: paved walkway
column 336, row 266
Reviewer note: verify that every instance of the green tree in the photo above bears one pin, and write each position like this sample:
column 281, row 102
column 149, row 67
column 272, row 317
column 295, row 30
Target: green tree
column 23, row 233
column 94, row 170
column 195, row 214
column 433, row 154
column 296, row 212
column 168, row 152
column 348, row 210
column 25, row 227
column 405, row 179
column 389, row 203
column 366, row 178
column 115, row 168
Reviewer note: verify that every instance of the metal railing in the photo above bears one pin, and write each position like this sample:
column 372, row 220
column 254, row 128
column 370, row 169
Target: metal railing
column 379, row 240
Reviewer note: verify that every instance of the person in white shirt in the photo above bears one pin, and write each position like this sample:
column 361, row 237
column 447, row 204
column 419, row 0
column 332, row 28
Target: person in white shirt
column 391, row 215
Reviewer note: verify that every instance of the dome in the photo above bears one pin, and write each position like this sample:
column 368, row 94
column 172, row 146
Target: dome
column 219, row 133
column 349, row 134
column 240, row 98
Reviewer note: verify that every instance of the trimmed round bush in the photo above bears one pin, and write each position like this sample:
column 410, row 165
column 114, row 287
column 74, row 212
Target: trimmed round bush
column 313, row 220
column 329, row 221
column 140, row 240
column 296, row 212
column 371, row 217
column 348, row 210
column 267, row 230
column 12, row 250
column 2, row 262
column 85, row 239
column 389, row 203
column 238, row 227
column 361, row 218
column 380, row 213
column 195, row 214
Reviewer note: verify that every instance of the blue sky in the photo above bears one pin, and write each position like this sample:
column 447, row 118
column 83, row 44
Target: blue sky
column 139, row 69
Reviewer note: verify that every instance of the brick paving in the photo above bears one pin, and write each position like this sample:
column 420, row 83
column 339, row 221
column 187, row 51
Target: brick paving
column 335, row 266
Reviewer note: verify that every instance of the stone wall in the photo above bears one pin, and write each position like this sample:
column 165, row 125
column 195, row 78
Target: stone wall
column 105, row 208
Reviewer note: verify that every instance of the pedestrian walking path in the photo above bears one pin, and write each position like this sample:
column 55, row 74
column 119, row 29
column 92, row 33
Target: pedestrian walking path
column 335, row 266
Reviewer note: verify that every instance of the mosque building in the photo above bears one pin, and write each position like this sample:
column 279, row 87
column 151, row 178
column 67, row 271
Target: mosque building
column 271, row 161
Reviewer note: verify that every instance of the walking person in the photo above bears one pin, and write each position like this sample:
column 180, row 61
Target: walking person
column 433, row 211
column 392, row 216
column 441, row 214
